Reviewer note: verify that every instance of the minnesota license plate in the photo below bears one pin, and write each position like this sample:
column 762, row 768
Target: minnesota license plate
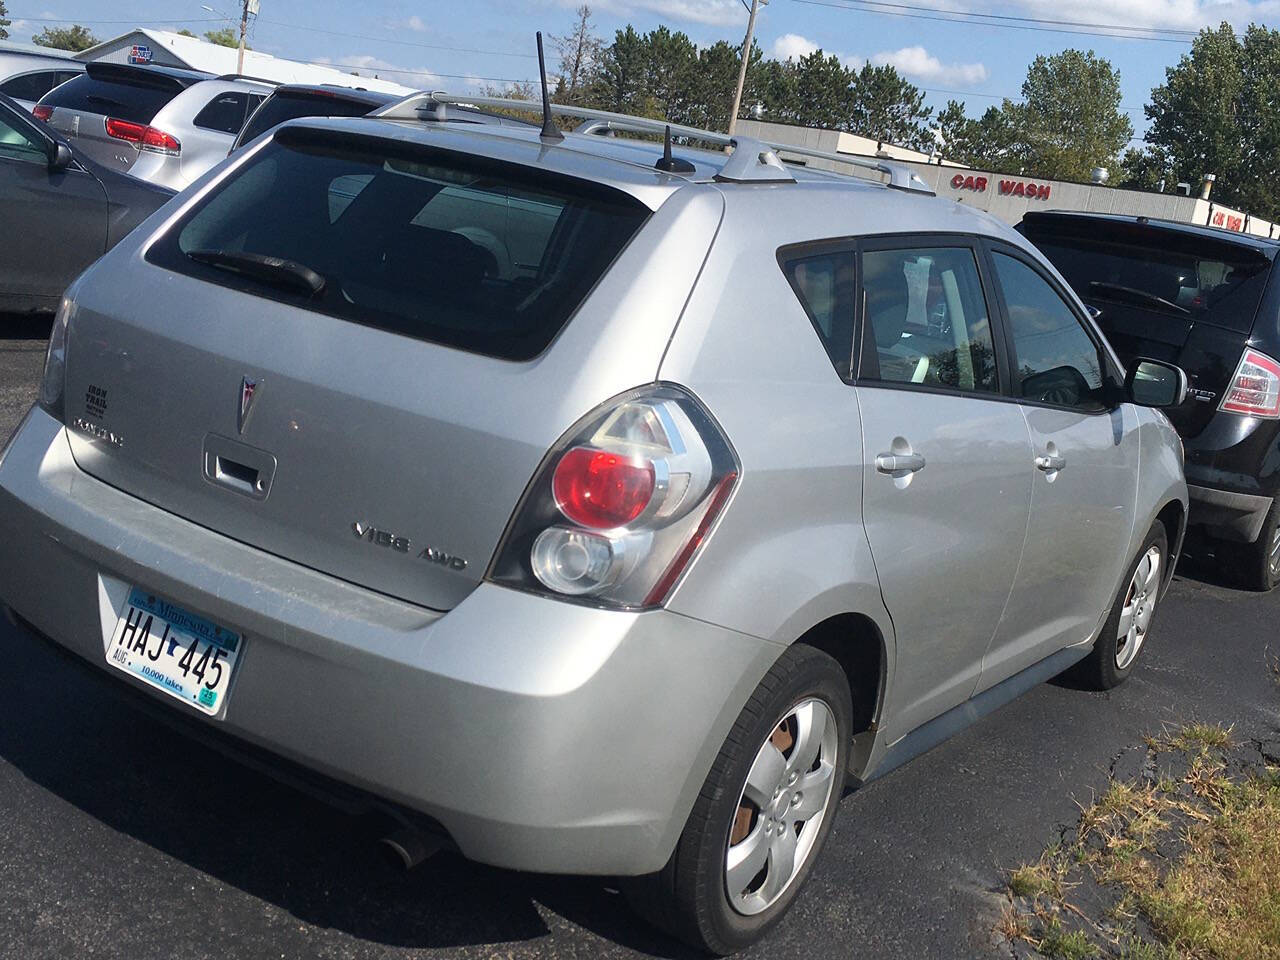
column 185, row 655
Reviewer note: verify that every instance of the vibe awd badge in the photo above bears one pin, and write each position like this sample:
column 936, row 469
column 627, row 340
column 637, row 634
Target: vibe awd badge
column 248, row 391
column 385, row 538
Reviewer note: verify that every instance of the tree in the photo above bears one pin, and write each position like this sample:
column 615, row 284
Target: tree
column 4, row 22
column 1070, row 119
column 74, row 38
column 888, row 108
column 226, row 37
column 1217, row 112
column 578, row 50
column 184, row 32
column 1144, row 169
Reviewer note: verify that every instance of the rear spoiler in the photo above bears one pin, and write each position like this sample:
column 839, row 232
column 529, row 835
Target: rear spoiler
column 150, row 76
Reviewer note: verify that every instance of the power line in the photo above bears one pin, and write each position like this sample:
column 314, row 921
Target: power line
column 134, row 20
column 1172, row 31
column 870, row 6
column 406, row 43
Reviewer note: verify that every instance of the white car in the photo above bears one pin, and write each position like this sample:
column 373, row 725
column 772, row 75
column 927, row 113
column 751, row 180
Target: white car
column 201, row 124
column 28, row 72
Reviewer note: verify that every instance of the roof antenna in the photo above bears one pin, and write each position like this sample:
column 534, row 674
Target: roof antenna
column 669, row 163
column 549, row 130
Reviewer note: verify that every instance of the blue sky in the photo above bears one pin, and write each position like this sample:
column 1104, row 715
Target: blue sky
column 453, row 45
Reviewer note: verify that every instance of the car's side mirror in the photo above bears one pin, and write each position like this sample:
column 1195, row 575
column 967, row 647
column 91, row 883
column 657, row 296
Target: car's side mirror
column 60, row 157
column 1154, row 383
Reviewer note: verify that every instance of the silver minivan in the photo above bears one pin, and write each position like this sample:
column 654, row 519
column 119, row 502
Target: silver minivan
column 610, row 509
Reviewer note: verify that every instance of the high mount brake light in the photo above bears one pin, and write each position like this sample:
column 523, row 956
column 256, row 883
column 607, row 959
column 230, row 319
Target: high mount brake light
column 147, row 138
column 42, row 112
column 1255, row 389
column 620, row 507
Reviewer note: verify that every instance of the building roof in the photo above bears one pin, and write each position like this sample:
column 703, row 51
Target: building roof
column 34, row 49
column 199, row 54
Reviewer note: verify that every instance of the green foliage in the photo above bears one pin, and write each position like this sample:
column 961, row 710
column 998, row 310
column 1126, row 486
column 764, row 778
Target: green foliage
column 226, row 37
column 1218, row 112
column 74, row 38
column 184, row 32
column 4, row 22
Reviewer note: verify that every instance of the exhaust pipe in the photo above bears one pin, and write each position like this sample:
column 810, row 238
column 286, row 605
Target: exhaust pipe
column 408, row 848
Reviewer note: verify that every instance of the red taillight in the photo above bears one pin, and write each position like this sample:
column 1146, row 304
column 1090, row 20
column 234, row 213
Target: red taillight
column 601, row 490
column 1255, row 389
column 147, row 138
column 42, row 112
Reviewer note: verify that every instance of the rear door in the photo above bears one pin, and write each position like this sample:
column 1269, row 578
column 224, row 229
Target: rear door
column 1085, row 481
column 947, row 483
column 104, row 113
column 57, row 219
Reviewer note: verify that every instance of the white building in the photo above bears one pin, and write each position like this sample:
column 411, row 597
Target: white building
column 1010, row 197
column 165, row 48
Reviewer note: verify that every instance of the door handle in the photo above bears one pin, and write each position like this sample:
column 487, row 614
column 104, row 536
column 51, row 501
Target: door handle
column 1051, row 463
column 899, row 463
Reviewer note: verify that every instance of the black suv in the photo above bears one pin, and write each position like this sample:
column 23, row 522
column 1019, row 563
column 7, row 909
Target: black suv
column 1209, row 301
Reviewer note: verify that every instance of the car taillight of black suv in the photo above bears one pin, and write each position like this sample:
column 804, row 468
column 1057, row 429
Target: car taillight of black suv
column 1209, row 301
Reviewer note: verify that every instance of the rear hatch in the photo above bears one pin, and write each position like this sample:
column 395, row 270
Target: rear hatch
column 1183, row 297
column 107, row 110
column 375, row 406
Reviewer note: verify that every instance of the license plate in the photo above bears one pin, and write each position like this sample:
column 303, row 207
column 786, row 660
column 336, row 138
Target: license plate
column 176, row 651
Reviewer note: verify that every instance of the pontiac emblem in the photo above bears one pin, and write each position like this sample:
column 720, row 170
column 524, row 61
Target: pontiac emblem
column 248, row 389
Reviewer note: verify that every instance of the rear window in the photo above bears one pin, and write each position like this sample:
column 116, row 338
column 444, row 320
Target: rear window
column 224, row 113
column 1220, row 290
column 30, row 86
column 123, row 99
column 445, row 247
column 280, row 107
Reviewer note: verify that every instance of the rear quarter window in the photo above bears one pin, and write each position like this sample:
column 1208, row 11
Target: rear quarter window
column 280, row 107
column 119, row 98
column 445, row 247
column 224, row 113
column 30, row 86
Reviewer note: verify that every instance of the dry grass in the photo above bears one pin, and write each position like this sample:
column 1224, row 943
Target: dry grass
column 1198, row 736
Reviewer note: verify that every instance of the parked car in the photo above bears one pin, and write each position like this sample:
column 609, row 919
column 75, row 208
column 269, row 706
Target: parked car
column 1209, row 300
column 621, row 553
column 295, row 100
column 108, row 110
column 62, row 210
column 28, row 72
column 292, row 101
column 201, row 122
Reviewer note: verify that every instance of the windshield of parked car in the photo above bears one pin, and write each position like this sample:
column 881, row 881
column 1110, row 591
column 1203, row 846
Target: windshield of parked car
column 121, row 98
column 447, row 247
column 290, row 105
column 1220, row 290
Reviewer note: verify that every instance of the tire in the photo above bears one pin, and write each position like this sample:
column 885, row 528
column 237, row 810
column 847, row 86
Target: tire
column 1257, row 564
column 689, row 898
column 1112, row 659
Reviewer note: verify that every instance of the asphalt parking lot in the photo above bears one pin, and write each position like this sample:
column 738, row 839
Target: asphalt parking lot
column 119, row 838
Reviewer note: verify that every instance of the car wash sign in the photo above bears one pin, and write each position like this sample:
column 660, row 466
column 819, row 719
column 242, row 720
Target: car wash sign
column 140, row 53
column 1005, row 188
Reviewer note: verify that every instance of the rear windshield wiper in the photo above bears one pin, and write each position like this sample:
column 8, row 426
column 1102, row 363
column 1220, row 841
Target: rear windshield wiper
column 260, row 266
column 1140, row 297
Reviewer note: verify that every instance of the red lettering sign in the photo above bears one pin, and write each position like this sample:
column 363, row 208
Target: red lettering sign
column 976, row 184
column 1018, row 188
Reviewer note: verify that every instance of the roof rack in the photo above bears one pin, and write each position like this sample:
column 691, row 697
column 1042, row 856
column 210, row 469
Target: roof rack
column 752, row 160
column 245, row 76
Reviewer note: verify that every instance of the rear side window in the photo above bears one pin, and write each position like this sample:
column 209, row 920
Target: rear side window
column 116, row 97
column 446, row 247
column 280, row 107
column 1057, row 362
column 30, row 86
column 224, row 113
column 926, row 320
column 824, row 285
column 1222, row 291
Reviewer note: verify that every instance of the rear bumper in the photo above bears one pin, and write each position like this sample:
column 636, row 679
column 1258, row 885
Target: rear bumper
column 1228, row 515
column 540, row 735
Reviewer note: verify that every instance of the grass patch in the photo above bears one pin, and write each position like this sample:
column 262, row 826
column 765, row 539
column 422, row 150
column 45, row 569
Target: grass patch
column 1183, row 868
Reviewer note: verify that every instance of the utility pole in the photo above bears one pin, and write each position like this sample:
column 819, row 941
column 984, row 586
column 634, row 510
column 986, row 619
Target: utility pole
column 746, row 57
column 246, row 7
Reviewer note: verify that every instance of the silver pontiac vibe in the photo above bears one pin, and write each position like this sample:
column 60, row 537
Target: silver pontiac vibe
column 610, row 503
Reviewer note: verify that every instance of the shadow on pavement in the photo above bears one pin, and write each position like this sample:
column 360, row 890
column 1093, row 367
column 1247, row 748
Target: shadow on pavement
column 1200, row 562
column 64, row 730
column 25, row 326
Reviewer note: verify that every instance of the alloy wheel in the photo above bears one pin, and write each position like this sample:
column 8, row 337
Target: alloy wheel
column 781, row 808
column 1139, row 607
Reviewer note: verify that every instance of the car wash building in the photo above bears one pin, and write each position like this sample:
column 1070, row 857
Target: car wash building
column 1011, row 197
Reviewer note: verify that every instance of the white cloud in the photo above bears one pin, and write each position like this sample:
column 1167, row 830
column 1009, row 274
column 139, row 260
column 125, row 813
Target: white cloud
column 367, row 65
column 717, row 13
column 917, row 63
column 416, row 24
column 1176, row 14
column 792, row 46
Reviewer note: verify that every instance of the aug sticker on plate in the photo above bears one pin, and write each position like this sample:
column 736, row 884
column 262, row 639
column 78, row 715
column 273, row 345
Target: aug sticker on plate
column 188, row 657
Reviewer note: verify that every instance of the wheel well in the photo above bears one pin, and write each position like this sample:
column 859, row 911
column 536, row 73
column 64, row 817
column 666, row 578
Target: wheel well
column 1171, row 515
column 854, row 642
